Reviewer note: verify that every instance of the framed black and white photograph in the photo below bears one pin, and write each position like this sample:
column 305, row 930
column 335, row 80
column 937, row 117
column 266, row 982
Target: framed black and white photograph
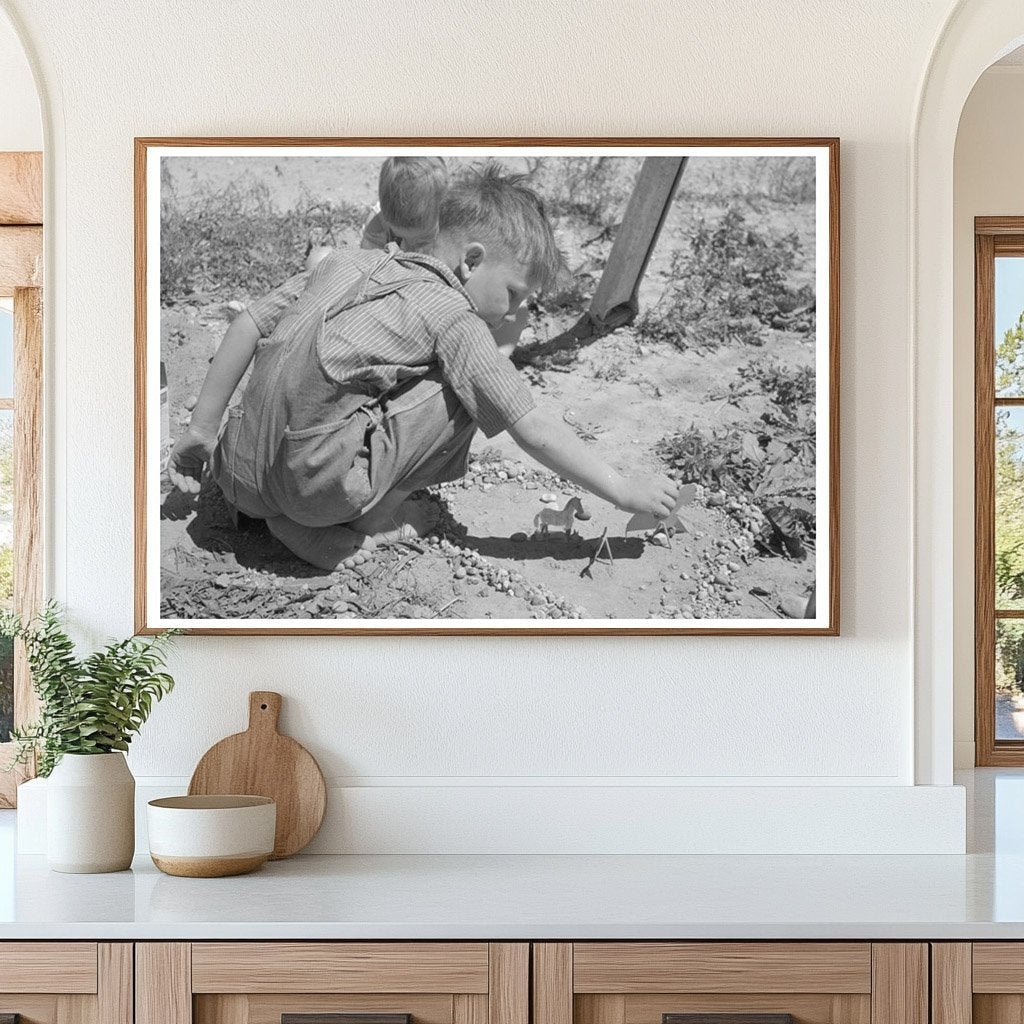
column 540, row 386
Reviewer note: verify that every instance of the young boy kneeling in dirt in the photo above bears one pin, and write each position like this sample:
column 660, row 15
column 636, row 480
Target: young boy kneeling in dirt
column 372, row 373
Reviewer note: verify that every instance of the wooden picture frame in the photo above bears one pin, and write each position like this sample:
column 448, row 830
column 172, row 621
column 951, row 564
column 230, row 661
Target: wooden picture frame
column 614, row 302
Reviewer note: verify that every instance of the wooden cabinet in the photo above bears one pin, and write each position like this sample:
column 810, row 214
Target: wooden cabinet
column 757, row 982
column 494, row 983
column 978, row 983
column 66, row 982
column 305, row 982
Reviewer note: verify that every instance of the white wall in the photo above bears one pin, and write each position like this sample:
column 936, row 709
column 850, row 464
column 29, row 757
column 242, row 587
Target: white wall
column 987, row 182
column 453, row 712
column 21, row 127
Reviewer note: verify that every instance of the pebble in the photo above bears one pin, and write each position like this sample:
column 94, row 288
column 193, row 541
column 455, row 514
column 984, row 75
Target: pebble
column 190, row 402
column 722, row 578
column 460, row 573
column 548, row 498
column 716, row 499
column 537, row 599
column 793, row 607
column 502, row 475
column 660, row 540
column 733, row 566
column 518, row 538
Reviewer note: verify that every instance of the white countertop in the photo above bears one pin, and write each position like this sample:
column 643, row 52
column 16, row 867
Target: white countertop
column 980, row 895
column 517, row 897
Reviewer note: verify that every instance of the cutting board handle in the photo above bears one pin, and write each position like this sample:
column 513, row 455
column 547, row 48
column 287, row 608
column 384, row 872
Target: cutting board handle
column 264, row 710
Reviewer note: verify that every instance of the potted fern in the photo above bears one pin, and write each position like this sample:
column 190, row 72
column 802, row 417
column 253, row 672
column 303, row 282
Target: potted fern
column 90, row 708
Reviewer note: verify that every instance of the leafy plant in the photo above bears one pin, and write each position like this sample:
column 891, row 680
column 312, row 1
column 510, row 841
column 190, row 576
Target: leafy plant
column 89, row 705
column 235, row 241
column 729, row 285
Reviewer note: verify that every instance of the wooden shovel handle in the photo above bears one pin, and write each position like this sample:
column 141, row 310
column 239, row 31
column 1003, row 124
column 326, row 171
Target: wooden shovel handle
column 264, row 710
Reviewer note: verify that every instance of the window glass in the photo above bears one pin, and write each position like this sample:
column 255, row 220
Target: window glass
column 1009, row 679
column 1009, row 327
column 1009, row 511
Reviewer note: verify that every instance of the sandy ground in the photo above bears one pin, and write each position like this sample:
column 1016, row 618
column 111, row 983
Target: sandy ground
column 621, row 395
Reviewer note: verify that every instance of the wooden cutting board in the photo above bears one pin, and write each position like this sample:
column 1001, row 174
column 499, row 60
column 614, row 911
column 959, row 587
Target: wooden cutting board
column 262, row 762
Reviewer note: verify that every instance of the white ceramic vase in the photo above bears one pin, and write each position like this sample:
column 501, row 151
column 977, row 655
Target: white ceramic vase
column 90, row 814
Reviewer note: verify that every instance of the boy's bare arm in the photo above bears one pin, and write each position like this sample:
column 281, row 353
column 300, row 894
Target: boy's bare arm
column 195, row 446
column 553, row 444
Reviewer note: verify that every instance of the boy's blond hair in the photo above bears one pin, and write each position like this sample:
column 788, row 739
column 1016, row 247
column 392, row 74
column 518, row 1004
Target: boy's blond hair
column 499, row 210
column 411, row 189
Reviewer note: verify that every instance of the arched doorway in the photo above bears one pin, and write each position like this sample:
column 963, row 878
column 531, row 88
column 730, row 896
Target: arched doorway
column 977, row 33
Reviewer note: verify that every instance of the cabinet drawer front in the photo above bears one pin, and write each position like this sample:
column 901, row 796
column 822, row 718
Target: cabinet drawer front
column 636, row 967
column 998, row 967
column 339, row 967
column 59, row 967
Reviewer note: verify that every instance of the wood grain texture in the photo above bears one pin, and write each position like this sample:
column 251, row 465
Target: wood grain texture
column 144, row 143
column 269, row 1009
column 998, row 967
column 21, row 259
column 304, row 967
column 225, row 1009
column 208, row 867
column 984, row 502
column 76, row 1009
column 115, row 996
column 346, row 1018
column 31, row 1009
column 28, row 483
column 998, row 1009
column 21, row 188
column 999, row 226
column 634, row 967
column 65, row 967
column 262, row 762
column 951, row 983
column 603, row 1009
column 899, row 983
column 468, row 1009
column 163, row 983
column 728, row 1018
column 552, row 983
column 805, row 1008
column 508, row 993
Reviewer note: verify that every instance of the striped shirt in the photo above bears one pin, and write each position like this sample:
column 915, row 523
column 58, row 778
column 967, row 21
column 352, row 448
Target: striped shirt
column 430, row 321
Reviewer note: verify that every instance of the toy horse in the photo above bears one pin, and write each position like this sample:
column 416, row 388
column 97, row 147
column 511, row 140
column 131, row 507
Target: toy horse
column 559, row 518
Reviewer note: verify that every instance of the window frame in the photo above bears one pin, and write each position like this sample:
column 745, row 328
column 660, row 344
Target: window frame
column 21, row 263
column 993, row 237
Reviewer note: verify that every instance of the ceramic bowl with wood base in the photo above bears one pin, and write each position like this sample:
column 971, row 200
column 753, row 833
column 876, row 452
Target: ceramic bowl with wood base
column 211, row 836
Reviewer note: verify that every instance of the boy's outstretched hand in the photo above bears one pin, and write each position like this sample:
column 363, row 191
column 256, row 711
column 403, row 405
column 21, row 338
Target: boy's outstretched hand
column 654, row 493
column 187, row 458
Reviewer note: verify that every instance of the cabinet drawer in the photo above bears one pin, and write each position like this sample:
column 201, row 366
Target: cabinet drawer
column 332, row 983
column 730, row 983
column 65, row 967
column 66, row 982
